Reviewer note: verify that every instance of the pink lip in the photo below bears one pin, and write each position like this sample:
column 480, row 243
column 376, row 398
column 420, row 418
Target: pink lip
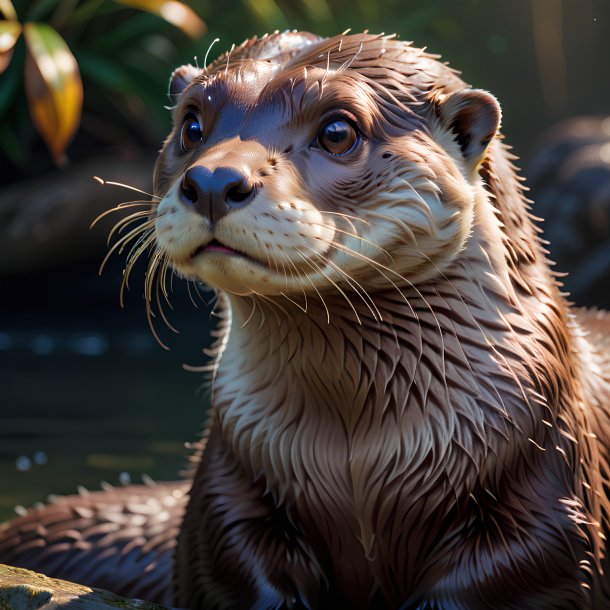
column 217, row 248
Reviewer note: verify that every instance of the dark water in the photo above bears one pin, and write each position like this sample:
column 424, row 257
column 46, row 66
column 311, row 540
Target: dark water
column 86, row 394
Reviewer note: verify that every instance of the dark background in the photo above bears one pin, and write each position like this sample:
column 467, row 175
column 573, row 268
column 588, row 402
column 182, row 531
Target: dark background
column 85, row 391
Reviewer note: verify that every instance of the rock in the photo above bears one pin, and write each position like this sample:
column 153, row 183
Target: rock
column 24, row 590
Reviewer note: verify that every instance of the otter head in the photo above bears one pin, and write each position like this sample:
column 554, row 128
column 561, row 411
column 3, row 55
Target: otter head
column 338, row 164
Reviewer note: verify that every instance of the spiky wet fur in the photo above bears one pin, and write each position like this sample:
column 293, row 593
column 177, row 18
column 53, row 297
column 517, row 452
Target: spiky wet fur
column 429, row 429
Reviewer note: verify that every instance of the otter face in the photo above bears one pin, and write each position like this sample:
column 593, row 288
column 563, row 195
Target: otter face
column 340, row 166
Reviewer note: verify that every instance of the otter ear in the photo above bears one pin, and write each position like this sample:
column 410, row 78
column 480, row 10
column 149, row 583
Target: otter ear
column 474, row 116
column 181, row 78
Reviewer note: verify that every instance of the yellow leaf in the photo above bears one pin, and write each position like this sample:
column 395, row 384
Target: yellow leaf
column 9, row 33
column 8, row 10
column 174, row 12
column 53, row 86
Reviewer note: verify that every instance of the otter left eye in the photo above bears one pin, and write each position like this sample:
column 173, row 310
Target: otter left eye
column 338, row 137
column 191, row 133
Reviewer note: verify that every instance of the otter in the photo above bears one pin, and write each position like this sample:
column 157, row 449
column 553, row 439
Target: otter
column 407, row 412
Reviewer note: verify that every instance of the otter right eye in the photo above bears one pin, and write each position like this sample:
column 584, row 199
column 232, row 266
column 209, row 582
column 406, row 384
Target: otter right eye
column 338, row 137
column 191, row 133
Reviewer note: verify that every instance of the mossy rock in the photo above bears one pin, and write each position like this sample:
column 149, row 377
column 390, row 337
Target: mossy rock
column 24, row 590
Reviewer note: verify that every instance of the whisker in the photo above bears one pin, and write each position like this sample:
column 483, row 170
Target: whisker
column 123, row 224
column 355, row 235
column 320, row 295
column 145, row 241
column 315, row 267
column 120, row 207
column 343, row 215
column 199, row 295
column 374, row 264
column 163, row 280
column 264, row 248
column 351, row 281
column 263, row 316
column 277, row 269
column 205, row 59
column 152, row 267
column 251, row 313
column 125, row 186
column 294, row 302
column 274, row 304
column 284, row 268
column 145, row 235
column 422, row 297
column 229, row 57
column 121, row 243
column 160, row 306
column 351, row 225
column 489, row 341
column 188, row 289
column 297, row 278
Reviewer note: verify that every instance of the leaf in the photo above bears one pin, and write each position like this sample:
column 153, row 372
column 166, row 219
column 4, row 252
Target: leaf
column 8, row 10
column 9, row 34
column 174, row 12
column 53, row 86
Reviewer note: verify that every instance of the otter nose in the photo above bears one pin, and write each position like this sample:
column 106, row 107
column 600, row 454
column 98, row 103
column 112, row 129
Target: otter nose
column 215, row 193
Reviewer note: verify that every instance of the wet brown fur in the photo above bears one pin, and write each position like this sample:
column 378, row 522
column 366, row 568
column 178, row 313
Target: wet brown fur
column 442, row 444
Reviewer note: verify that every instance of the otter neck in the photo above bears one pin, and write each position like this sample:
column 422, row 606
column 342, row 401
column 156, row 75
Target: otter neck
column 453, row 364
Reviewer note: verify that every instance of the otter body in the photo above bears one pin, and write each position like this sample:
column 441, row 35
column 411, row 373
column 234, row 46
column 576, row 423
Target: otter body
column 406, row 412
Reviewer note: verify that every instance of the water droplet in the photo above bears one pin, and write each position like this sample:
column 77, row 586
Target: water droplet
column 42, row 345
column 124, row 478
column 89, row 345
column 23, row 463
column 40, row 458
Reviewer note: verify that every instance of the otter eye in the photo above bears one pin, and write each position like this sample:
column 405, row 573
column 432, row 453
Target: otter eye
column 191, row 133
column 338, row 137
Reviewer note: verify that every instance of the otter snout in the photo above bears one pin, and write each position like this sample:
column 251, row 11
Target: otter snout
column 214, row 193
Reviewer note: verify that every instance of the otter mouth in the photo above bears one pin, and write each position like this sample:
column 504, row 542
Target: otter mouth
column 216, row 246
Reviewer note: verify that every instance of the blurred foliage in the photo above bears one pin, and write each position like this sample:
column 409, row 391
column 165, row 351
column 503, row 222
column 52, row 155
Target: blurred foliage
column 53, row 87
column 125, row 56
column 116, row 52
